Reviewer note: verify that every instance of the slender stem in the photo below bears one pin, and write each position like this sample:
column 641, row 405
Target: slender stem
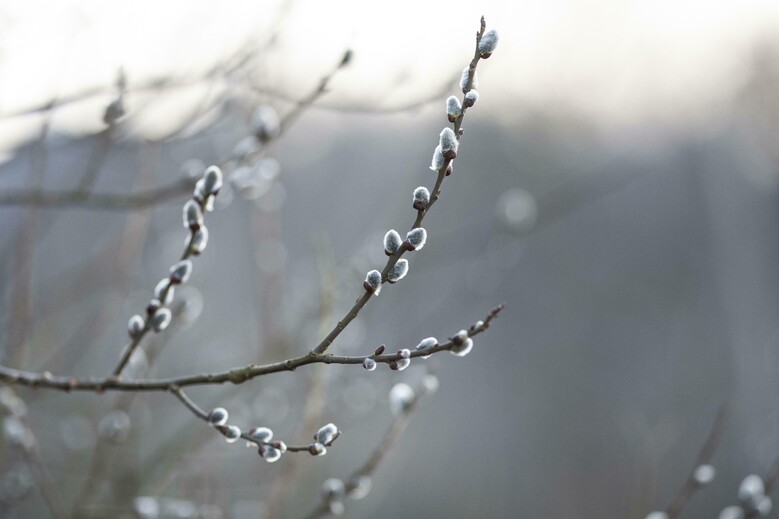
column 235, row 376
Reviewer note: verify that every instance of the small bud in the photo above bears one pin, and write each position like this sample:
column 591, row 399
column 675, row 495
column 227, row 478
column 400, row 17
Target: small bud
column 180, row 272
column 199, row 240
column 212, row 180
column 333, row 488
column 464, row 84
column 161, row 319
column 193, row 215
column 266, row 124
column 392, row 242
column 135, row 326
column 488, row 43
column 372, row 282
column 369, row 364
column 280, row 445
column 415, row 239
column 405, row 353
column 449, row 169
column 461, row 350
column 427, row 344
column 217, row 416
column 421, row 198
column 231, row 433
column 327, row 434
column 460, row 337
column 704, row 474
column 380, row 350
column 398, row 272
column 261, row 434
column 269, row 453
column 401, row 397
column 470, row 98
column 448, row 143
column 164, row 288
column 393, row 365
column 438, row 160
column 317, row 449
column 453, row 109
column 360, row 487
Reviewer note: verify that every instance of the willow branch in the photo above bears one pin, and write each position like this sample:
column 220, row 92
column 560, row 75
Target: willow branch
column 46, row 380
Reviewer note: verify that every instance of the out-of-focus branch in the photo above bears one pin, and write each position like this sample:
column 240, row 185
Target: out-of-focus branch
column 694, row 482
column 89, row 200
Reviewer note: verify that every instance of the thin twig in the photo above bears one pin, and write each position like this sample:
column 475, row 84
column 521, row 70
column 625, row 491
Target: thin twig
column 235, row 376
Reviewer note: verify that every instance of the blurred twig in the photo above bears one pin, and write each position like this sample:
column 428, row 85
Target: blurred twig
column 704, row 458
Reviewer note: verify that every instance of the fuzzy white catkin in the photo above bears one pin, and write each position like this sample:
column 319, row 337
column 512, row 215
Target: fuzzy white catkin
column 373, row 280
column 416, row 238
column 437, row 162
column 421, row 197
column 704, row 474
column 164, row 287
column 232, row 433
column 401, row 396
column 369, row 364
column 199, row 240
column 161, row 319
column 392, row 242
column 326, row 434
column 361, row 486
column 261, row 434
column 453, row 108
column 212, row 180
column 488, row 42
column 266, row 124
column 180, row 272
column 333, row 488
column 448, row 141
column 402, row 364
column 270, row 454
column 218, row 416
column 135, row 326
column 193, row 215
column 471, row 97
column 464, row 85
column 732, row 512
column 461, row 350
column 317, row 449
column 398, row 272
column 427, row 344
column 751, row 487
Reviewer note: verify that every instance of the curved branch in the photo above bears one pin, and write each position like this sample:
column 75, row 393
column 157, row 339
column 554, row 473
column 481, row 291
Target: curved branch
column 240, row 375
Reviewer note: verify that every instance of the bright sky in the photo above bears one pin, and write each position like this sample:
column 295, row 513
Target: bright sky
column 617, row 60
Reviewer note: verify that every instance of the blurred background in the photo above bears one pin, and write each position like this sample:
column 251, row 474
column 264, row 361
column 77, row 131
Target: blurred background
column 617, row 187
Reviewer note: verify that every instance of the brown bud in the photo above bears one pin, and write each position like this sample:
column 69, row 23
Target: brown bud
column 379, row 350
